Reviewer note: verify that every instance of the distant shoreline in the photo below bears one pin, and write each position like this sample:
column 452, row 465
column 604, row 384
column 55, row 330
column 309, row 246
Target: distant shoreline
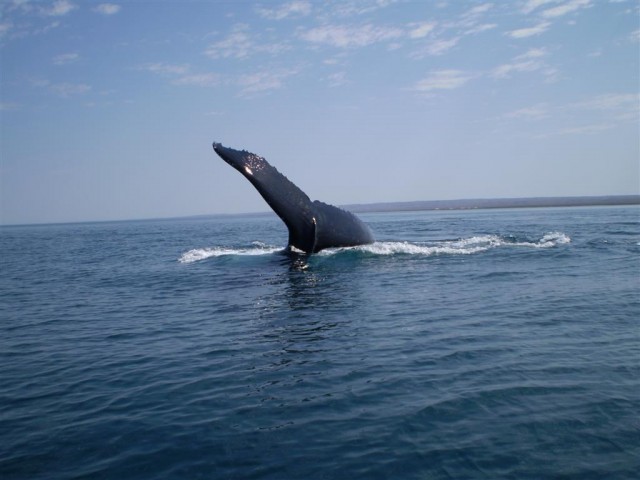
column 424, row 205
column 483, row 203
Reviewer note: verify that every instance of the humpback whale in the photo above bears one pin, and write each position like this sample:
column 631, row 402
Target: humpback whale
column 313, row 225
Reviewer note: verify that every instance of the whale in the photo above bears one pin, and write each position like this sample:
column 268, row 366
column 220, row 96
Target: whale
column 313, row 225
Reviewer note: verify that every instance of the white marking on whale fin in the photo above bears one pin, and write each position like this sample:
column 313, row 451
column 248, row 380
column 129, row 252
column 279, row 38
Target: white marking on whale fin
column 248, row 170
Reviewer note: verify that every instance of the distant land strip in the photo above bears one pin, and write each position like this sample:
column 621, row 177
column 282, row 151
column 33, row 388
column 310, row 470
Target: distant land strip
column 482, row 203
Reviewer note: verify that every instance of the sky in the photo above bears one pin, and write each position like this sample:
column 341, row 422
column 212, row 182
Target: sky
column 108, row 110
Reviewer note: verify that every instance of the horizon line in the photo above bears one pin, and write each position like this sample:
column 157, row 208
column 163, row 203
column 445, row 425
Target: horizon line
column 407, row 206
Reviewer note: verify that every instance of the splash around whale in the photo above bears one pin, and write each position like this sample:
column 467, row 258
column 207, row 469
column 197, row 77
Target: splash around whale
column 313, row 225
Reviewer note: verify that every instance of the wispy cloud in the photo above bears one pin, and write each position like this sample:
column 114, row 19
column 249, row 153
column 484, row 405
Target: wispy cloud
column 237, row 44
column 240, row 44
column 617, row 106
column 480, row 28
column 590, row 116
column 337, row 79
column 162, row 68
column 583, row 129
column 263, row 81
column 479, row 9
column 468, row 22
column 8, row 106
column 347, row 8
column 59, row 8
column 5, row 27
column 199, row 80
column 535, row 112
column 287, row 10
column 181, row 74
column 566, row 7
column 420, row 30
column 107, row 9
column 65, row 58
column 345, row 36
column 249, row 84
column 436, row 47
column 22, row 5
column 530, row 31
column 66, row 90
column 530, row 61
column 532, row 5
column 442, row 80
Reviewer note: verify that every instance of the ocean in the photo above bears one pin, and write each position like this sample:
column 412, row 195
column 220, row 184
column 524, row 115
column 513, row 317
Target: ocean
column 463, row 344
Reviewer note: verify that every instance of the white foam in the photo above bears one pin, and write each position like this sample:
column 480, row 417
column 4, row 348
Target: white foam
column 556, row 238
column 548, row 240
column 198, row 254
column 463, row 246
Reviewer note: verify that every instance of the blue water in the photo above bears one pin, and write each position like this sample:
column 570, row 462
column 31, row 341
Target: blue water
column 476, row 344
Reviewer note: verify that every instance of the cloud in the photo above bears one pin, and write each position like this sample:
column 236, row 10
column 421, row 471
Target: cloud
column 585, row 129
column 22, row 5
column 5, row 107
column 199, row 80
column 532, row 5
column 249, row 84
column 239, row 44
column 59, row 8
column 442, row 80
column 66, row 90
column 635, row 36
column 5, row 27
column 480, row 28
column 420, row 30
column 343, row 36
column 535, row 112
column 291, row 9
column 597, row 114
column 161, row 68
column 181, row 74
column 65, row 58
column 530, row 31
column 567, row 7
column 337, row 79
column 107, row 9
column 436, row 47
column 479, row 10
column 612, row 101
column 469, row 19
column 263, row 81
column 440, row 47
column 528, row 62
column 346, row 8
column 612, row 108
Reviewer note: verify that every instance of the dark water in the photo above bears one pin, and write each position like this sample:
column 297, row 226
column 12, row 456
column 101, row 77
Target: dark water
column 482, row 344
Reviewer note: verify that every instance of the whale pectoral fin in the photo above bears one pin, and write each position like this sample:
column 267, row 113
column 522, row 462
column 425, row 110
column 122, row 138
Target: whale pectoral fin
column 291, row 204
column 312, row 225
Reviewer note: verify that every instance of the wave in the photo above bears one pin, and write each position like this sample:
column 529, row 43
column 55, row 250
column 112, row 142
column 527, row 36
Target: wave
column 464, row 246
column 198, row 254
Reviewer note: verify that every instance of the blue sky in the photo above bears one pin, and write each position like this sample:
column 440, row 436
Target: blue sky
column 108, row 110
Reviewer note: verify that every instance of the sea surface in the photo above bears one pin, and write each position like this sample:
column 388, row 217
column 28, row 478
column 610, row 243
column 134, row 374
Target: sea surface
column 463, row 344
